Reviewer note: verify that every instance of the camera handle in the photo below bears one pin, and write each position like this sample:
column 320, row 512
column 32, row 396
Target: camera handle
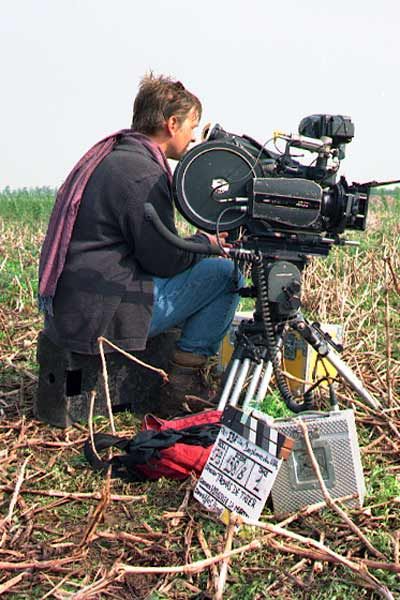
column 150, row 214
column 252, row 355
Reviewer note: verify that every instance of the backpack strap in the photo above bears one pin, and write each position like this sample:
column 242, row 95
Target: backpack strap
column 145, row 447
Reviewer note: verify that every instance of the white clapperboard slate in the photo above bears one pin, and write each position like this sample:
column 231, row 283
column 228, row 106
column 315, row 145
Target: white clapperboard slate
column 243, row 464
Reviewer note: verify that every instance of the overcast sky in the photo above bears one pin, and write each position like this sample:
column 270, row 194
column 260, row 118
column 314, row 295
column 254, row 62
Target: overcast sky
column 70, row 70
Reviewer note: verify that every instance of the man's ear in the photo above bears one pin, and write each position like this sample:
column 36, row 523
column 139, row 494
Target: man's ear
column 172, row 125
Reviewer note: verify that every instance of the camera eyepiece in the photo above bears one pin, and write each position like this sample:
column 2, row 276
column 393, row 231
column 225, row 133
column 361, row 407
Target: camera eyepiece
column 214, row 132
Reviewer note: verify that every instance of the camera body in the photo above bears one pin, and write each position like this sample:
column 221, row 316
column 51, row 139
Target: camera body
column 228, row 181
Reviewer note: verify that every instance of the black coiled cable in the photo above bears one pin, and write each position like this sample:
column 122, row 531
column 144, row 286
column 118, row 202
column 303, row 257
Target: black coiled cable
column 273, row 350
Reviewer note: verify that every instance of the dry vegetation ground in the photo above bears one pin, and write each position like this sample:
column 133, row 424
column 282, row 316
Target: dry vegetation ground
column 67, row 533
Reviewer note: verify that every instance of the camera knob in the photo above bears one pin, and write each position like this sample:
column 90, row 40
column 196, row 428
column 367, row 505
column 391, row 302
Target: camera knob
column 293, row 303
column 295, row 287
column 292, row 293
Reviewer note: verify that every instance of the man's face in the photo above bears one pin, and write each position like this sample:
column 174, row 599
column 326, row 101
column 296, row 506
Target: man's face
column 182, row 135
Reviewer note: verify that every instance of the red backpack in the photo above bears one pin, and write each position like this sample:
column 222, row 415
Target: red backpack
column 172, row 449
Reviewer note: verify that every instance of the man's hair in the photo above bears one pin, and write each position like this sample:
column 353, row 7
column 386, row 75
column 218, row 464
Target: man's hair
column 158, row 99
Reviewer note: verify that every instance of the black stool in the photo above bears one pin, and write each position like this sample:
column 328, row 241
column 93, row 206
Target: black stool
column 66, row 380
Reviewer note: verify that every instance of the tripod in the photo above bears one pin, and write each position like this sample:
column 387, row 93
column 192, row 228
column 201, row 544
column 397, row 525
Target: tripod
column 259, row 341
column 277, row 289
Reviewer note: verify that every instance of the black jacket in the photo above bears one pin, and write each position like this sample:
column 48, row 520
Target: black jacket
column 106, row 286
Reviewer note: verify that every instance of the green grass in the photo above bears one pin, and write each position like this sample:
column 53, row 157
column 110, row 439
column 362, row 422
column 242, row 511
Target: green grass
column 27, row 206
column 24, row 216
column 381, row 486
column 274, row 406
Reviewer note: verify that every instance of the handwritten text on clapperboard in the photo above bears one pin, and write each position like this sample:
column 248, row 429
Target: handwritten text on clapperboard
column 238, row 476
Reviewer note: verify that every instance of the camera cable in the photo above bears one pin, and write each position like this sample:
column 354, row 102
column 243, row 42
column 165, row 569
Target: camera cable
column 273, row 350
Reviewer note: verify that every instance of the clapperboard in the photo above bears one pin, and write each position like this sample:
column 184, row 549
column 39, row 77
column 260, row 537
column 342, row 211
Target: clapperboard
column 243, row 464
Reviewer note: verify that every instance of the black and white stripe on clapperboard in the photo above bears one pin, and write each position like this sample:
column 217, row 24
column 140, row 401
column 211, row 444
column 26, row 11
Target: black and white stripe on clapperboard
column 259, row 430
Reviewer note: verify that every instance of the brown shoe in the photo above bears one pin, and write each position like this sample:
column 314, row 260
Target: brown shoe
column 187, row 391
column 188, row 359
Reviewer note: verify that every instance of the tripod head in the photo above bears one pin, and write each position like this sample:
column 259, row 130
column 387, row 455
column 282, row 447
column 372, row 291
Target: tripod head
column 277, row 289
column 283, row 288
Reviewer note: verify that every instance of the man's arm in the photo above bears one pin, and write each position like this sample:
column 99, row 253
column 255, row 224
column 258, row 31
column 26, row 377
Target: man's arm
column 154, row 254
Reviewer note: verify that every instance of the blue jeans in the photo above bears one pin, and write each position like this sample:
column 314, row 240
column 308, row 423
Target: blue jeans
column 201, row 300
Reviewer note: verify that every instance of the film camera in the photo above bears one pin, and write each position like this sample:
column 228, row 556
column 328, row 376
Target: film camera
column 283, row 211
column 286, row 211
column 230, row 181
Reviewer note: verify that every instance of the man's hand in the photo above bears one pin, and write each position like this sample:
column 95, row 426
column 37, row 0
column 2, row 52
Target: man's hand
column 214, row 241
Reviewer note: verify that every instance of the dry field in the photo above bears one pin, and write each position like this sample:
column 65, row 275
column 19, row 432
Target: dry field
column 68, row 533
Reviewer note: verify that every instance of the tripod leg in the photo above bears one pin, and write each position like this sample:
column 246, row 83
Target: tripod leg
column 252, row 386
column 262, row 390
column 352, row 379
column 316, row 339
column 240, row 382
column 228, row 384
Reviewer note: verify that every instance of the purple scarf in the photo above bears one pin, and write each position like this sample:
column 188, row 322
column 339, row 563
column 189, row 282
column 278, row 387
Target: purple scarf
column 62, row 219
